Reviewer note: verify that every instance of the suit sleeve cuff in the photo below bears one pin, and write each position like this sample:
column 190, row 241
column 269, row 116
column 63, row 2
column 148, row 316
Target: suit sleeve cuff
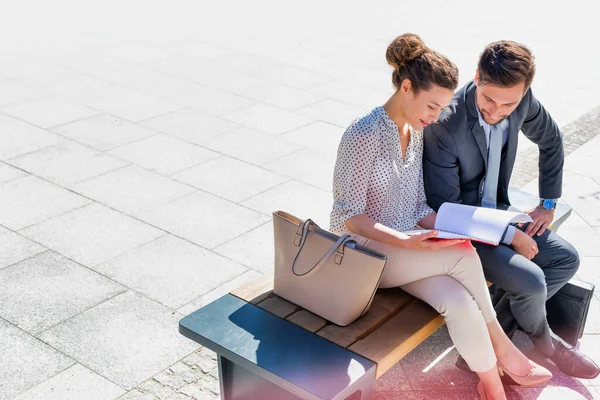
column 509, row 235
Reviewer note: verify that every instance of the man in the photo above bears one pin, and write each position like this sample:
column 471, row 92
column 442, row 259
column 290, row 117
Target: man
column 468, row 158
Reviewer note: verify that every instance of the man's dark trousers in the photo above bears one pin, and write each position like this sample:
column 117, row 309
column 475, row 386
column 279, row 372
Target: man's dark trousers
column 529, row 283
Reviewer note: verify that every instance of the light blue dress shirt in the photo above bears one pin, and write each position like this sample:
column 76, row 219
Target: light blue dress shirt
column 503, row 126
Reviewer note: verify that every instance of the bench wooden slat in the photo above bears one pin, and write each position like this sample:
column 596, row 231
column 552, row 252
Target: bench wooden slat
column 307, row 320
column 278, row 306
column 256, row 290
column 386, row 303
column 398, row 336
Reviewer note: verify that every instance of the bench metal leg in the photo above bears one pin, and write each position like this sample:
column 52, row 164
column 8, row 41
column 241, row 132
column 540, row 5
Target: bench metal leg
column 239, row 383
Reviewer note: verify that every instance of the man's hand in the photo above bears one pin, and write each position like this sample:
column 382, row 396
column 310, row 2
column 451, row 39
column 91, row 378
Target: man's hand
column 524, row 245
column 542, row 219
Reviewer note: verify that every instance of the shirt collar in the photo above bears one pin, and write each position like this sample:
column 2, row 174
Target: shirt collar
column 389, row 122
column 481, row 120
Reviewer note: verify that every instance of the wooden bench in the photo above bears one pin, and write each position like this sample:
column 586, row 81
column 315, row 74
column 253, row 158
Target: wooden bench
column 269, row 348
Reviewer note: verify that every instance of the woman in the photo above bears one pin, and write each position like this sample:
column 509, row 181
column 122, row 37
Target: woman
column 378, row 193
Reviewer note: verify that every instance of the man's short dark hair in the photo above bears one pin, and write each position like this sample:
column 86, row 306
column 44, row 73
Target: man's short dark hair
column 506, row 63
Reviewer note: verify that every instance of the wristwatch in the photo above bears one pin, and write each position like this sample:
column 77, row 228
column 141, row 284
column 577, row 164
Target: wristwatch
column 548, row 204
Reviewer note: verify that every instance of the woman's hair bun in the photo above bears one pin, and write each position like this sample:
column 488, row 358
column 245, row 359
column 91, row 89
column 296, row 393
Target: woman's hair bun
column 404, row 49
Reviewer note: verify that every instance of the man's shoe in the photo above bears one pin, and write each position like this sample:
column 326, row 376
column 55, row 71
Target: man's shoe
column 574, row 363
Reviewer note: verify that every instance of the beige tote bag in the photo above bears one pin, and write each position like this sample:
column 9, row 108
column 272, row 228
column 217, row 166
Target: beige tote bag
column 329, row 275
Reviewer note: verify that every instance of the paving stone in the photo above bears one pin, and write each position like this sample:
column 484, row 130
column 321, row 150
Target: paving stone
column 156, row 389
column 394, row 380
column 273, row 70
column 308, row 166
column 319, row 135
column 132, row 105
column 211, row 384
column 152, row 83
column 135, row 53
column 171, row 270
column 104, row 132
column 18, row 138
column 579, row 233
column 164, row 154
column 30, row 200
column 67, row 163
column 97, row 65
column 333, row 111
column 441, row 374
column 178, row 396
column 553, row 392
column 190, row 126
column 590, row 346
column 173, row 381
column 211, row 101
column 178, row 65
column 183, row 217
column 80, row 89
column 133, row 190
column 26, row 361
column 311, row 62
column 44, row 290
column 188, row 374
column 35, row 71
column 12, row 92
column 592, row 324
column 252, row 146
column 218, row 292
column 92, row 234
column 354, row 93
column 208, row 362
column 8, row 173
column 281, row 96
column 268, row 119
column 137, row 394
column 192, row 359
column 74, row 383
column 15, row 248
column 126, row 339
column 583, row 194
column 295, row 197
column 253, row 249
column 589, row 271
column 210, row 73
column 580, row 160
column 49, row 111
column 229, row 178
column 199, row 50
column 197, row 391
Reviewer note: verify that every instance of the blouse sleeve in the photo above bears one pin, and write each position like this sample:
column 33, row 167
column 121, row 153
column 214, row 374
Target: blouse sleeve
column 357, row 151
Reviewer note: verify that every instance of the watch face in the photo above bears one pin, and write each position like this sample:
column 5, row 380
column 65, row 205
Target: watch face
column 548, row 204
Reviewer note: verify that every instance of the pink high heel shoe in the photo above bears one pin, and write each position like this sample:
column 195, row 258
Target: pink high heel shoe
column 536, row 376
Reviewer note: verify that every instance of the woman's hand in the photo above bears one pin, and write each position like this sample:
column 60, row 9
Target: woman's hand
column 427, row 241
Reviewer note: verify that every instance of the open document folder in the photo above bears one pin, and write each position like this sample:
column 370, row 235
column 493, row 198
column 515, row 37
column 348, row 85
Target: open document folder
column 459, row 221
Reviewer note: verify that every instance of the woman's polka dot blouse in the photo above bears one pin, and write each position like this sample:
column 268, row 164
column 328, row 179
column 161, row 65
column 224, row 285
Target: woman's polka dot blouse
column 371, row 178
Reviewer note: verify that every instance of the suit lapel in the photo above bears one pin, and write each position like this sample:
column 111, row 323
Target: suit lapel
column 479, row 136
column 473, row 118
